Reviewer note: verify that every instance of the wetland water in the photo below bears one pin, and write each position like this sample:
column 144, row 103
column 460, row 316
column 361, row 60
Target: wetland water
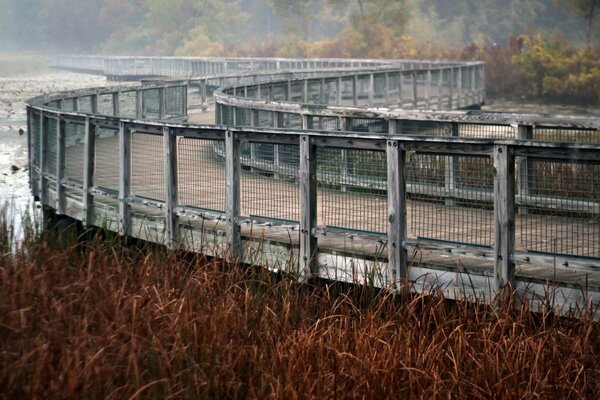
column 14, row 92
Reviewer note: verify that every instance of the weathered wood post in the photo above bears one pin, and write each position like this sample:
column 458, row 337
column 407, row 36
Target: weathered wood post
column 371, row 94
column 415, row 98
column 308, row 208
column 451, row 171
column 124, row 178
column 139, row 103
column 504, row 217
column 162, row 103
column 61, row 141
column 355, row 90
column 89, row 164
column 397, row 272
column 400, row 76
column 338, row 94
column 171, row 193
column 233, row 252
column 115, row 103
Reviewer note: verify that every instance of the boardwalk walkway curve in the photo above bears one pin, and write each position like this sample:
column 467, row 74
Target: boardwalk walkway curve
column 371, row 171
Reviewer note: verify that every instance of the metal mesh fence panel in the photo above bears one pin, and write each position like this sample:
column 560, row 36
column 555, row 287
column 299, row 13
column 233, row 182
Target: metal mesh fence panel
column 151, row 102
column 51, row 150
column 74, row 151
column 379, row 89
column 85, row 104
column 324, row 123
column 451, row 198
column 314, row 91
column 566, row 135
column 105, row 104
column 147, row 166
column 36, row 138
column 201, row 173
column 174, row 101
column 370, row 125
column 106, row 171
column 352, row 189
column 487, row 131
column 269, row 181
column 127, row 104
column 292, row 121
column 560, row 208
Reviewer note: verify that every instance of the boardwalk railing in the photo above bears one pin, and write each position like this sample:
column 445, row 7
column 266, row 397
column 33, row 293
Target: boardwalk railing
column 462, row 201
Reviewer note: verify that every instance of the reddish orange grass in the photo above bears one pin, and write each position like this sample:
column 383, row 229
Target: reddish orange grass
column 121, row 323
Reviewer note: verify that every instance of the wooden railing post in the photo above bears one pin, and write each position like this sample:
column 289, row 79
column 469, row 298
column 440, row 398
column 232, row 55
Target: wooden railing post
column 232, row 197
column 162, row 103
column 338, row 94
column 88, row 170
column 397, row 272
column 355, row 90
column 451, row 171
column 139, row 103
column 124, row 178
column 60, row 165
column 94, row 103
column 171, row 195
column 371, row 94
column 504, row 217
column 308, row 208
column 115, row 103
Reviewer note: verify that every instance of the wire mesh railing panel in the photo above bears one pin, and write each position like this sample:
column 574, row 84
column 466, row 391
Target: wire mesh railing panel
column 566, row 135
column 51, row 152
column 201, row 173
column 269, row 181
column 105, row 104
column 352, row 189
column 151, row 103
column 379, row 89
column 560, row 208
column 487, row 131
column 427, row 128
column 263, row 118
column 292, row 121
column 36, row 139
column 85, row 104
column 243, row 117
column 296, row 92
column 74, row 151
column 280, row 91
column 370, row 125
column 330, row 91
column 174, row 101
column 314, row 92
column 127, row 104
column 106, row 170
column 324, row 123
column 347, row 94
column 147, row 166
column 451, row 198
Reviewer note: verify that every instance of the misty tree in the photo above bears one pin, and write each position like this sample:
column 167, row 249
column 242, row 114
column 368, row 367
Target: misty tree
column 588, row 9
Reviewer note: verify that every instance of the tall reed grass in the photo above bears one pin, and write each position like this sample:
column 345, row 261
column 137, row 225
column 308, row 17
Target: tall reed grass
column 99, row 320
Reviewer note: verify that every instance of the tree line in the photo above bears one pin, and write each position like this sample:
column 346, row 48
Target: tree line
column 538, row 47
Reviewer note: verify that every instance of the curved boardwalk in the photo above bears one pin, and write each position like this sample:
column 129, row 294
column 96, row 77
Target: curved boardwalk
column 314, row 169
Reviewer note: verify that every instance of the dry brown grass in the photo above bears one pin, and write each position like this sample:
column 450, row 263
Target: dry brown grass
column 120, row 323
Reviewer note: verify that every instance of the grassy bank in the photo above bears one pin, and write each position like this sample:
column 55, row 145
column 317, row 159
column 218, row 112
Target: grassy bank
column 15, row 64
column 106, row 321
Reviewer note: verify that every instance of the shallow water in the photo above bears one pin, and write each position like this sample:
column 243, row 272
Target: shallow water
column 14, row 92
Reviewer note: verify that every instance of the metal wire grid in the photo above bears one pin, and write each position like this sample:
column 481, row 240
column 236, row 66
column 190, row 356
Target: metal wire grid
column 279, row 91
column 424, row 128
column 127, row 104
column 269, row 181
column 243, row 116
column 407, row 89
column 151, row 103
column 296, row 92
column 324, row 123
column 174, row 101
column 201, row 173
column 147, row 166
column 74, row 151
column 106, row 170
column 263, row 118
column 451, row 198
column 85, row 104
column 292, row 121
column 352, row 189
column 379, row 89
column 36, row 140
column 487, row 131
column 330, row 91
column 566, row 135
column 560, row 208
column 314, row 92
column 370, row 125
column 52, row 149
column 105, row 104
column 421, row 78
column 362, row 90
column 347, row 95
